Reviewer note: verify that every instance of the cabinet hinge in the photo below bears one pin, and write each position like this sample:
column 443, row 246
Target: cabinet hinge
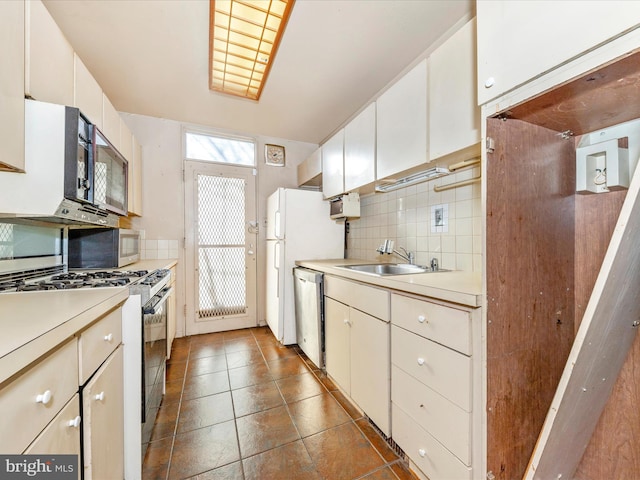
column 490, row 145
column 567, row 134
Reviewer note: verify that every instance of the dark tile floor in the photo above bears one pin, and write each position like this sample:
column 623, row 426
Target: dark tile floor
column 240, row 406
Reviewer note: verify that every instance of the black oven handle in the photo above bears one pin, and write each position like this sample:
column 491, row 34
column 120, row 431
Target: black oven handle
column 158, row 299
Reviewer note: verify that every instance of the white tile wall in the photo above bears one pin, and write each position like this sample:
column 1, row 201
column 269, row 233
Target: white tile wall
column 160, row 249
column 404, row 216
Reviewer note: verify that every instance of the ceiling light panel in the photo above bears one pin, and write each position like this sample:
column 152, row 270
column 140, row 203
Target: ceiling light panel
column 244, row 37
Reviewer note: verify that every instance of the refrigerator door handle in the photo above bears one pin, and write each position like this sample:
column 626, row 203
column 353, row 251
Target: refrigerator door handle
column 276, row 265
column 276, row 225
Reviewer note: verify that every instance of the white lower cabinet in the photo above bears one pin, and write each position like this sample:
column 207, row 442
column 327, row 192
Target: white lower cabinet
column 357, row 346
column 62, row 435
column 103, row 421
column 433, row 382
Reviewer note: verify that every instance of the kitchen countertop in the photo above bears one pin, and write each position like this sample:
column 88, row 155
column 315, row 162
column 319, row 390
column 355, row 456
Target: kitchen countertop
column 32, row 323
column 464, row 288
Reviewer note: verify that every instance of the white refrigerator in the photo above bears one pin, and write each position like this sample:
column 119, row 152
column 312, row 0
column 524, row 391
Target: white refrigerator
column 298, row 228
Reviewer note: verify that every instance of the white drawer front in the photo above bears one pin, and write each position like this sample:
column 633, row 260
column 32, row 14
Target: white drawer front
column 440, row 368
column 62, row 435
column 447, row 422
column 31, row 401
column 373, row 301
column 98, row 341
column 445, row 325
column 435, row 461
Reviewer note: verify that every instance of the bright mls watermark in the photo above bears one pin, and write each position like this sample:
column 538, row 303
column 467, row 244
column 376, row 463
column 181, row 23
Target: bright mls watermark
column 45, row 467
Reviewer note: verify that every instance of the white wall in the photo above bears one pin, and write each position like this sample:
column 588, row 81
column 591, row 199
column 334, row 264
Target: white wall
column 163, row 194
column 405, row 216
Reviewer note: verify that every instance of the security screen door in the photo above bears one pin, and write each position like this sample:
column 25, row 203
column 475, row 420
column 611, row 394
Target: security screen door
column 221, row 246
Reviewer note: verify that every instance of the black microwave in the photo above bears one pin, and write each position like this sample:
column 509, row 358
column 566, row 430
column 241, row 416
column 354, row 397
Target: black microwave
column 95, row 171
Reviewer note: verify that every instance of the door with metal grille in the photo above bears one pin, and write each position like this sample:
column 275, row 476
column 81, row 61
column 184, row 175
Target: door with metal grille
column 221, row 241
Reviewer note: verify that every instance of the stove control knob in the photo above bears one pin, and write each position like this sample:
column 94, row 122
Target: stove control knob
column 44, row 398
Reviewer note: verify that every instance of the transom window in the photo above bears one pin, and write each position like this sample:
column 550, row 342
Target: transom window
column 211, row 148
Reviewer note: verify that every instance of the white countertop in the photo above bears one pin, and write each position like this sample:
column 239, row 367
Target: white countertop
column 32, row 323
column 464, row 288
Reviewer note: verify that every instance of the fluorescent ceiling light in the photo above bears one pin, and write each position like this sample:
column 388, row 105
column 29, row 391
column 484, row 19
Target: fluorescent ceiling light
column 423, row 176
column 243, row 39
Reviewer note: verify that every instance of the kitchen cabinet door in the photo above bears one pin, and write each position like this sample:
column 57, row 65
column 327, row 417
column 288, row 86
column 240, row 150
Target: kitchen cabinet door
column 454, row 115
column 103, row 421
column 12, row 16
column 338, row 343
column 333, row 166
column 518, row 41
column 49, row 58
column 401, row 124
column 370, row 367
column 360, row 150
column 135, row 171
column 110, row 122
column 87, row 93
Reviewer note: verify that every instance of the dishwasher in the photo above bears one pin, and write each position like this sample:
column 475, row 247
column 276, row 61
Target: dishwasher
column 309, row 308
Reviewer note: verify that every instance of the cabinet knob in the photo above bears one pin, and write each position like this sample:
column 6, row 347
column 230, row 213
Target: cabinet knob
column 422, row 452
column 346, row 321
column 422, row 318
column 45, row 397
column 489, row 82
column 108, row 338
column 420, row 361
column 75, row 423
column 99, row 397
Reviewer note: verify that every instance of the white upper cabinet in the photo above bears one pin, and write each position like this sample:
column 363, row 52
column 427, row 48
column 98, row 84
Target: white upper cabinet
column 87, row 93
column 12, row 86
column 402, row 124
column 110, row 122
column 135, row 193
column 360, row 149
column 517, row 41
column 454, row 115
column 48, row 57
column 333, row 166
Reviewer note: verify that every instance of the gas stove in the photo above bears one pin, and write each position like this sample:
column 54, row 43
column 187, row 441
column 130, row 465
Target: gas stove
column 140, row 282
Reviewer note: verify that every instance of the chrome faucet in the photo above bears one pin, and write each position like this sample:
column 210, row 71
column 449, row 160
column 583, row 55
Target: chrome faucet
column 434, row 264
column 387, row 247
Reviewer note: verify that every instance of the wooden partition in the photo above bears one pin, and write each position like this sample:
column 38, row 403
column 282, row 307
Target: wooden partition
column 545, row 248
column 530, row 284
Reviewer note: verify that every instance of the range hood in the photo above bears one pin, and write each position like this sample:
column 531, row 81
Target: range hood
column 39, row 194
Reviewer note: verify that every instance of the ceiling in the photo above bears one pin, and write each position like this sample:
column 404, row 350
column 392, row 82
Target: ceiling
column 151, row 58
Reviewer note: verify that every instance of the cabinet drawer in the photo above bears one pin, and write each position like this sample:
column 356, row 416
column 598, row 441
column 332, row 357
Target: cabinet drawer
column 445, row 325
column 440, row 368
column 373, row 301
column 427, row 453
column 24, row 414
column 62, row 435
column 447, row 422
column 98, row 341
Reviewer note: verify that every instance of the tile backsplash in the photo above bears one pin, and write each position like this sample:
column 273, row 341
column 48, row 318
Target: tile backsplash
column 446, row 225
column 159, row 249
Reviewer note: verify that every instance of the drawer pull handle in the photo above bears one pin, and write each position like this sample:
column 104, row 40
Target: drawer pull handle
column 75, row 423
column 45, row 397
column 99, row 397
column 422, row 318
column 108, row 338
column 422, row 452
column 420, row 361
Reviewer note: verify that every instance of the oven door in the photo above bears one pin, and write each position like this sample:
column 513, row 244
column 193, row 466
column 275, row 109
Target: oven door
column 154, row 338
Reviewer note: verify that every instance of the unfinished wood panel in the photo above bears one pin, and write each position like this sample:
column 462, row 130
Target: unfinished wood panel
column 612, row 452
column 602, row 98
column 596, row 217
column 530, row 278
column 604, row 339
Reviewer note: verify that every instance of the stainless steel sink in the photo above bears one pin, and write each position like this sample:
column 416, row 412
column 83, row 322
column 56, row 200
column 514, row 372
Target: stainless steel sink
column 388, row 268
